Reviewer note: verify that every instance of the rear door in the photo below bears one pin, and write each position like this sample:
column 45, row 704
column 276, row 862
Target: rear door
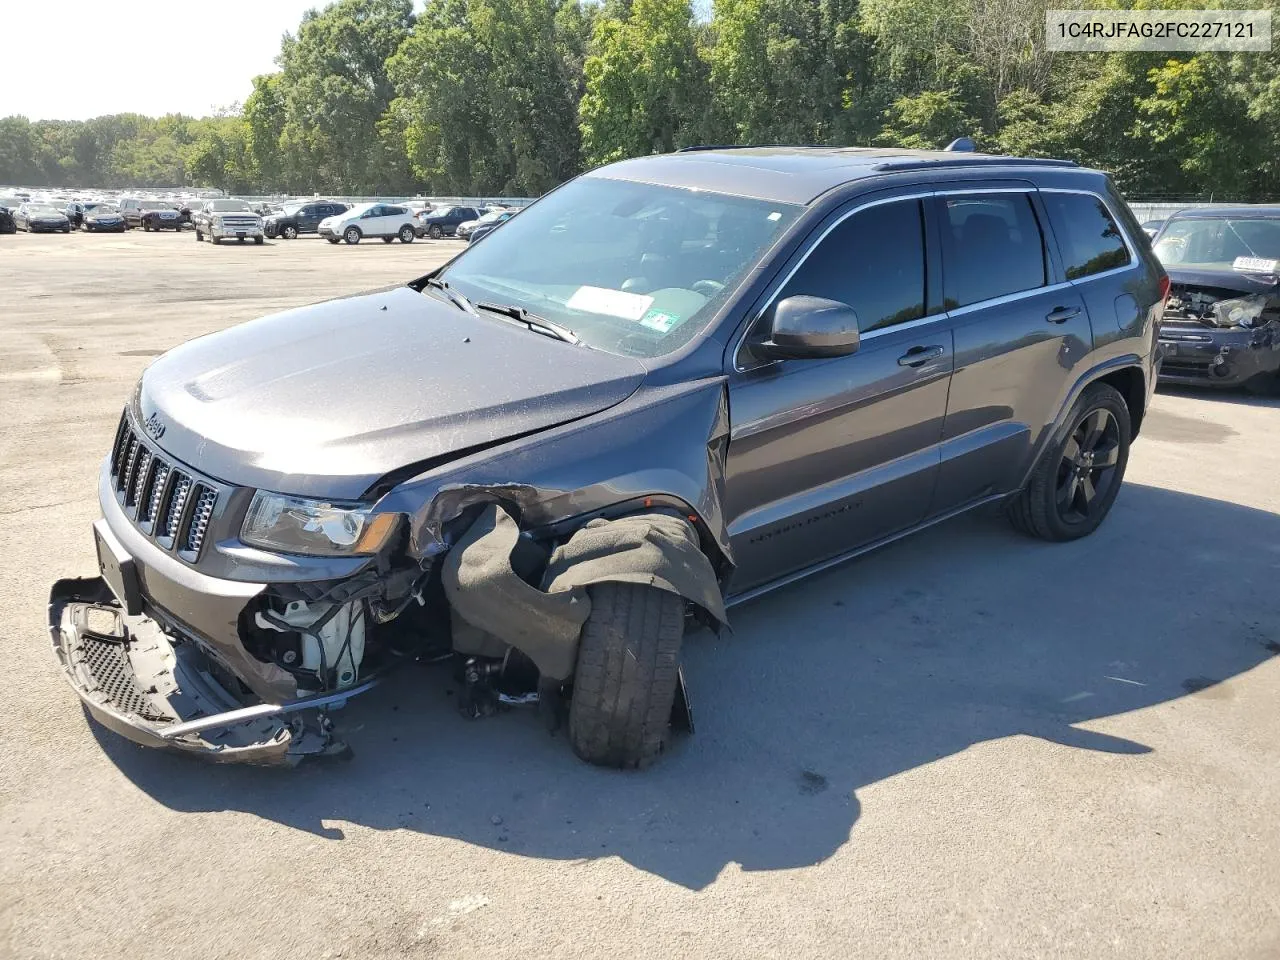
column 829, row 455
column 1020, row 334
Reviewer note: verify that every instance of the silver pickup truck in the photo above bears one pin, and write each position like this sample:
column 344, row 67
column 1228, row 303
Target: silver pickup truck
column 227, row 220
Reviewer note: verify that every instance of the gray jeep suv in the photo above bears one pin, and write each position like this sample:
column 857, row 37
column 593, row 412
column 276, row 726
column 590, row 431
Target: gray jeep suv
column 668, row 386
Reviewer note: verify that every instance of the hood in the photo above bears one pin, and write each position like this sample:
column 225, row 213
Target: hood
column 324, row 400
column 1227, row 280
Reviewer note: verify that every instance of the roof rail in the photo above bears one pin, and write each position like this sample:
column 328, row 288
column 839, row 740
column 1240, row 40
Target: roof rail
column 971, row 161
column 961, row 145
column 755, row 146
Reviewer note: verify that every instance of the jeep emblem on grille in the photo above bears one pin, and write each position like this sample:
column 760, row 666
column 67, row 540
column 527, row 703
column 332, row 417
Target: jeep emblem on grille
column 154, row 426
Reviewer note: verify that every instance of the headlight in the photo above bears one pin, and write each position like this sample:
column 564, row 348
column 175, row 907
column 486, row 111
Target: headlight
column 1239, row 312
column 315, row 527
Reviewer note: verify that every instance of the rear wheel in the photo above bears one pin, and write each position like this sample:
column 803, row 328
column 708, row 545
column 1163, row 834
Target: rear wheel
column 199, row 235
column 333, row 240
column 1073, row 487
column 214, row 240
column 388, row 239
column 625, row 680
column 406, row 234
column 259, row 240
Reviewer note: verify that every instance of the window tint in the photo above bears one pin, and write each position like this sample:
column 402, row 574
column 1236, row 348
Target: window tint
column 874, row 262
column 991, row 246
column 394, row 211
column 1088, row 237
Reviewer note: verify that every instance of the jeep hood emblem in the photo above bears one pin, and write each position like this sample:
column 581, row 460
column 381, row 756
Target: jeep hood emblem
column 154, row 426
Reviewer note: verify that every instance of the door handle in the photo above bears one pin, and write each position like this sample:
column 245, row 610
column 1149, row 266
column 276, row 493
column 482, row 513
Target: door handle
column 1062, row 314
column 919, row 356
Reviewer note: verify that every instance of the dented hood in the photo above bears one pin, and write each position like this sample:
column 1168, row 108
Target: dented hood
column 324, row 400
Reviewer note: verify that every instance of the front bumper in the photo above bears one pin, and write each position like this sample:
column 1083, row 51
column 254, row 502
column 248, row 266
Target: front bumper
column 235, row 232
column 135, row 681
column 1201, row 355
column 175, row 224
column 48, row 226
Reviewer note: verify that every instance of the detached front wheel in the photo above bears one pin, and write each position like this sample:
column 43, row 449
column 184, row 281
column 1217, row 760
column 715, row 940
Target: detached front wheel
column 625, row 680
column 1073, row 487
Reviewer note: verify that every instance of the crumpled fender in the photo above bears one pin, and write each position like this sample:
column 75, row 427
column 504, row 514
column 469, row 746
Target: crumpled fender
column 545, row 622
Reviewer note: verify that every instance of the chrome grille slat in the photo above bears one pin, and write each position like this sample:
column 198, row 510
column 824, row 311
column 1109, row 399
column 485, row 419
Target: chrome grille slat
column 177, row 503
column 200, row 515
column 150, row 508
column 140, row 475
column 125, row 478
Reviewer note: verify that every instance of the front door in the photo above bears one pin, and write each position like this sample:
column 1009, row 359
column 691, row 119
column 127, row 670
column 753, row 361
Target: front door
column 829, row 455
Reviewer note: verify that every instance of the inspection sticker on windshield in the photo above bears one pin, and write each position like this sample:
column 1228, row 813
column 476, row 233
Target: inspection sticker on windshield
column 1255, row 264
column 612, row 303
column 657, row 320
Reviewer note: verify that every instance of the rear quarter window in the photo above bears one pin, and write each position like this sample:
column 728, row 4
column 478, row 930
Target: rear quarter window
column 1088, row 236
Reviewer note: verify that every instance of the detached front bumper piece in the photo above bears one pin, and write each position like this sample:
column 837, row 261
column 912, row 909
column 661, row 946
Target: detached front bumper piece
column 1196, row 354
column 134, row 680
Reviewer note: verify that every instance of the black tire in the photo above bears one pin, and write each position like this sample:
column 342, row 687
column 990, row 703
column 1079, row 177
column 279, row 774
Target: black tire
column 406, row 234
column 333, row 240
column 199, row 235
column 625, row 681
column 1055, row 504
column 259, row 241
column 215, row 240
column 352, row 235
column 146, row 226
column 436, row 232
column 289, row 232
column 388, row 239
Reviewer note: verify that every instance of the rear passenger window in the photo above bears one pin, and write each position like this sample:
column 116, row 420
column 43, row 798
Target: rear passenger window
column 874, row 262
column 991, row 246
column 1087, row 235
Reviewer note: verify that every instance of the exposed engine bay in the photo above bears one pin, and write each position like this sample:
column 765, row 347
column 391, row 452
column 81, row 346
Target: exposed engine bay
column 1220, row 307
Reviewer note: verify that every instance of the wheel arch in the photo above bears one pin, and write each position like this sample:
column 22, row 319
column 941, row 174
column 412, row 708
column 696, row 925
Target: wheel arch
column 1125, row 373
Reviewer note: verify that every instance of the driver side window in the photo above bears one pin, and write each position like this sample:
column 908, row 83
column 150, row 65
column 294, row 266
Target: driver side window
column 874, row 261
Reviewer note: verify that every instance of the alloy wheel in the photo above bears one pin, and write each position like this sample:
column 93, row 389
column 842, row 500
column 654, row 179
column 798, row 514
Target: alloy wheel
column 1088, row 466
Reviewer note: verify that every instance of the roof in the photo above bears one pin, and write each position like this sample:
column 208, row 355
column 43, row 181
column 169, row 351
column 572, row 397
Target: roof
column 1254, row 210
column 791, row 174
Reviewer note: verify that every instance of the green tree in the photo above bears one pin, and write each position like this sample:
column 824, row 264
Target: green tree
column 647, row 86
column 786, row 72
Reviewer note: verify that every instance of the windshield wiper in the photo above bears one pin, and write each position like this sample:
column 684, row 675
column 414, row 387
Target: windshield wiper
column 534, row 322
column 457, row 299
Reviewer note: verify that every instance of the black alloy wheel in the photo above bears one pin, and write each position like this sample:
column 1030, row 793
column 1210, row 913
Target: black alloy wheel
column 1088, row 466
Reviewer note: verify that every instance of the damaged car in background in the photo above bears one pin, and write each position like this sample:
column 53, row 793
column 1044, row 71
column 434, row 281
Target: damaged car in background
column 667, row 387
column 1222, row 321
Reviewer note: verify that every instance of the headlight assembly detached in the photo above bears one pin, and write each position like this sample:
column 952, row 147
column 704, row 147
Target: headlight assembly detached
column 1239, row 312
column 315, row 527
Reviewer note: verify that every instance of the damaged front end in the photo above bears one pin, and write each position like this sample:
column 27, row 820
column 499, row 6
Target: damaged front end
column 1219, row 335
column 200, row 638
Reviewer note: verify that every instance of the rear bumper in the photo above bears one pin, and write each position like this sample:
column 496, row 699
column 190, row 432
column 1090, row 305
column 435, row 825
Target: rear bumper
column 135, row 681
column 1218, row 357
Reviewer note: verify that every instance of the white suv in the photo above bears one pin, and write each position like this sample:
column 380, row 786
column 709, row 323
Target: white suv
column 369, row 220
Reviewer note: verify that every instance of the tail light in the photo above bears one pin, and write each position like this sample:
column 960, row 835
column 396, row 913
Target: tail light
column 1165, row 284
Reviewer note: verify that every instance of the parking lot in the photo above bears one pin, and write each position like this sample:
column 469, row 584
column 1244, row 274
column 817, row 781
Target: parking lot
column 969, row 743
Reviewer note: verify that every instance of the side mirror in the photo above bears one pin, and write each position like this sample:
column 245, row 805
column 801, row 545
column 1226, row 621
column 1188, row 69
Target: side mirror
column 808, row 328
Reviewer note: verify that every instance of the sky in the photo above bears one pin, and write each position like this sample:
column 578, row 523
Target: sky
column 75, row 59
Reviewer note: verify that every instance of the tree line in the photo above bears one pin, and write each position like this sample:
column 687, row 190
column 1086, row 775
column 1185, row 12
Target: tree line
column 511, row 97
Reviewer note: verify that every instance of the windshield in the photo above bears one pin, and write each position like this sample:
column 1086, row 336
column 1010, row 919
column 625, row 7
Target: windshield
column 156, row 206
column 230, row 206
column 43, row 208
column 631, row 268
column 1217, row 243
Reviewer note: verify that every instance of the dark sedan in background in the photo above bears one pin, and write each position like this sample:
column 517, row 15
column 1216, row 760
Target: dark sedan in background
column 102, row 218
column 6, row 222
column 41, row 218
column 1222, row 321
column 153, row 215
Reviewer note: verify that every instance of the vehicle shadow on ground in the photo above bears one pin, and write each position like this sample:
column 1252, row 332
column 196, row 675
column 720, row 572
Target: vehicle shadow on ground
column 961, row 635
